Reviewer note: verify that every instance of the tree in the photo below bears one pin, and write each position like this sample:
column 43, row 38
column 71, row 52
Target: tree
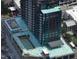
column 74, row 40
column 4, row 8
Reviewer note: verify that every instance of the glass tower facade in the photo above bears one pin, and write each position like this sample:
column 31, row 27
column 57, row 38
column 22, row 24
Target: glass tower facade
column 50, row 27
column 45, row 26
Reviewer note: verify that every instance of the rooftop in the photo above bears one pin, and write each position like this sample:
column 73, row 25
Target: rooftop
column 73, row 12
column 55, row 9
column 17, row 3
column 12, row 8
column 70, row 23
column 29, row 44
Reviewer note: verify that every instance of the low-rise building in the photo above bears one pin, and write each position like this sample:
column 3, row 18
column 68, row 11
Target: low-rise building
column 70, row 14
column 62, row 2
column 17, row 4
column 70, row 25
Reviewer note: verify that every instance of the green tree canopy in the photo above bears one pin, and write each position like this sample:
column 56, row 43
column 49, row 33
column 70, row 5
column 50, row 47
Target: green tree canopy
column 4, row 8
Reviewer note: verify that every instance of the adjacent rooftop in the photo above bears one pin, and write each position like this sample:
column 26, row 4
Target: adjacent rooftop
column 70, row 23
column 30, row 45
column 17, row 2
column 51, row 10
column 73, row 12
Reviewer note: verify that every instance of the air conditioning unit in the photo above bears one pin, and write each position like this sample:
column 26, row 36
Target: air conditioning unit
column 45, row 51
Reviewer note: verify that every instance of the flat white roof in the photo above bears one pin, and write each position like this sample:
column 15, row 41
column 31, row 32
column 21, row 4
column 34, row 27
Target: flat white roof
column 55, row 9
column 17, row 3
column 45, row 51
column 73, row 12
column 12, row 8
column 70, row 23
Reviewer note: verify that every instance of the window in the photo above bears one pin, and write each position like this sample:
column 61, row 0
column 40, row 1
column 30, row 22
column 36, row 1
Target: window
column 65, row 57
column 72, row 56
column 41, row 58
column 59, row 58
column 53, row 58
column 52, row 24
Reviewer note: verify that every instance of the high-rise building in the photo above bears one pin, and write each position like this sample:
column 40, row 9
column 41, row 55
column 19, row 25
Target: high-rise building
column 26, row 46
column 43, row 18
column 37, row 33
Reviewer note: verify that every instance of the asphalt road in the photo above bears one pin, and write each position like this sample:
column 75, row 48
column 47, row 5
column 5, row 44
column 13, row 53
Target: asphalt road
column 12, row 48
